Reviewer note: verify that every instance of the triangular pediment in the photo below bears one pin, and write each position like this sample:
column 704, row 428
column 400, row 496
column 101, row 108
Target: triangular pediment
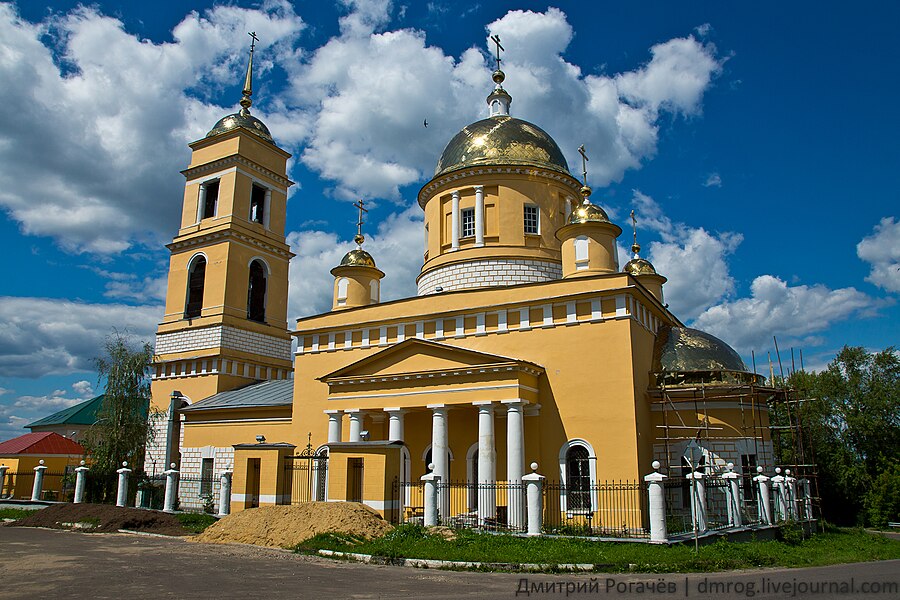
column 419, row 356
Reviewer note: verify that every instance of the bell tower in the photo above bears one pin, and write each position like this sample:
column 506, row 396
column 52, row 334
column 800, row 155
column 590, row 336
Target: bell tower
column 225, row 324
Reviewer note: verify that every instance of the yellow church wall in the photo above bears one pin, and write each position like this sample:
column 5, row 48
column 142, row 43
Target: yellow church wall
column 601, row 249
column 266, row 155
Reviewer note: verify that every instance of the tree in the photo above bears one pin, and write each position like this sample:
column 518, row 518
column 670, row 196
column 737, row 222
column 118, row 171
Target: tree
column 851, row 421
column 122, row 426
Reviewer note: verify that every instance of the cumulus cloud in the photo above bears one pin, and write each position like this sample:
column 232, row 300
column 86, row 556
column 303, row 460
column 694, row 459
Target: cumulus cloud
column 392, row 247
column 693, row 259
column 44, row 336
column 882, row 251
column 793, row 313
column 117, row 110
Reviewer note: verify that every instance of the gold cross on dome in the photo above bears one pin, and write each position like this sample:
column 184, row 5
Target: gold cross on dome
column 252, row 34
column 634, row 228
column 584, row 161
column 362, row 210
column 496, row 40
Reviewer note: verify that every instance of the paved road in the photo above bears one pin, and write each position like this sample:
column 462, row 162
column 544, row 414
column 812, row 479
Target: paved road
column 40, row 563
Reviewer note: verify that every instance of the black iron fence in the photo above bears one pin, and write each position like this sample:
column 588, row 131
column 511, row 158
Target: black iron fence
column 615, row 509
column 493, row 506
column 305, row 478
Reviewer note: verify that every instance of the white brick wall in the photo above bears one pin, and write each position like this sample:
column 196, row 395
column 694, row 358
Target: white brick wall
column 486, row 273
column 224, row 337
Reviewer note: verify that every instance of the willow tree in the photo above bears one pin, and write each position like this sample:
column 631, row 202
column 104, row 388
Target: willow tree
column 121, row 429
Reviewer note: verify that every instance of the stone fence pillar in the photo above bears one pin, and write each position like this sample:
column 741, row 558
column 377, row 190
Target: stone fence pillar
column 779, row 496
column 432, row 480
column 657, row 502
column 225, row 494
column 122, row 492
column 38, row 481
column 534, row 500
column 733, row 496
column 80, row 476
column 3, row 469
column 790, row 489
column 765, row 507
column 171, row 488
column 698, row 501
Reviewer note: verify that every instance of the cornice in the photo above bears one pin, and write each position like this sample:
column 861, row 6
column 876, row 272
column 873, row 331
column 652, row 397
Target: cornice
column 438, row 182
column 223, row 163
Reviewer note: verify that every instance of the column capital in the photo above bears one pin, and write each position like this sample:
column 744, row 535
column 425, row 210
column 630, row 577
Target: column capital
column 436, row 406
column 352, row 411
column 513, row 403
column 478, row 188
column 394, row 409
column 332, row 411
column 455, row 193
column 483, row 403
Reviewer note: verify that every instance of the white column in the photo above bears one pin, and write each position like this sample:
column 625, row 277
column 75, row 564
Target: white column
column 439, row 452
column 732, row 496
column 535, row 500
column 335, row 419
column 395, row 424
column 171, row 489
column 454, row 221
column 80, row 476
column 3, row 469
column 268, row 208
column 356, row 418
column 515, row 459
column 122, row 495
column 698, row 501
column 225, row 494
column 432, row 482
column 807, row 499
column 38, row 481
column 779, row 495
column 479, row 216
column 201, row 203
column 765, row 508
column 487, row 463
column 657, row 504
column 790, row 484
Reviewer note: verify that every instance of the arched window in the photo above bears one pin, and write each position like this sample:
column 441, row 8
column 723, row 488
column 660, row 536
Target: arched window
column 256, row 292
column 578, row 479
column 342, row 285
column 373, row 290
column 196, row 279
column 581, row 252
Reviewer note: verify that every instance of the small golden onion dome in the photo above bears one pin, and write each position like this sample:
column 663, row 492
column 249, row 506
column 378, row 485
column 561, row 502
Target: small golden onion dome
column 501, row 140
column 639, row 266
column 358, row 258
column 498, row 76
column 241, row 119
column 588, row 213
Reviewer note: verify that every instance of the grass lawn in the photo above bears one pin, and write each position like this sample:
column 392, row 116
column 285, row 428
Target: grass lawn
column 411, row 541
column 14, row 513
column 195, row 522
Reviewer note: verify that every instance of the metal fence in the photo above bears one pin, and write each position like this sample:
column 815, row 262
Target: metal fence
column 615, row 509
column 494, row 506
column 305, row 478
column 56, row 486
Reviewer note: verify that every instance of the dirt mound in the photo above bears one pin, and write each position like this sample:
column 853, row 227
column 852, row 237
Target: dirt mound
column 102, row 518
column 287, row 526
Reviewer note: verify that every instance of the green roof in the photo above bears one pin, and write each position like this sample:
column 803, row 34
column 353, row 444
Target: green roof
column 80, row 414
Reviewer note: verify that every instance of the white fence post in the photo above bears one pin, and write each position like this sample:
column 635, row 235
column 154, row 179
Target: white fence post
column 807, row 499
column 657, row 503
column 225, row 494
column 38, row 481
column 765, row 507
column 122, row 493
column 698, row 501
column 733, row 496
column 80, row 475
column 432, row 480
column 790, row 484
column 3, row 469
column 534, row 500
column 779, row 496
column 171, row 489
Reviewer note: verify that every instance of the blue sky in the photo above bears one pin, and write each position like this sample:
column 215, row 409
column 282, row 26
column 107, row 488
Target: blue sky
column 756, row 141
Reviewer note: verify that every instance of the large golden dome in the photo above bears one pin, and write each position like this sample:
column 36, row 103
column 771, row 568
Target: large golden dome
column 501, row 140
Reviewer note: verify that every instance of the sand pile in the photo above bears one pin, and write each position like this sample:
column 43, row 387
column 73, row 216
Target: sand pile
column 102, row 518
column 287, row 526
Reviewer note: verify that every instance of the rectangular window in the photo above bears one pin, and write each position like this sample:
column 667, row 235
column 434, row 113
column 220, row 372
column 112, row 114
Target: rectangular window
column 206, row 476
column 531, row 219
column 212, row 199
column 258, row 204
column 468, row 222
column 748, row 471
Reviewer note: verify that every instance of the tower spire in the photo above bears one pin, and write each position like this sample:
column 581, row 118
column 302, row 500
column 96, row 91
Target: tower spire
column 246, row 101
column 359, row 238
column 499, row 99
column 635, row 247
column 585, row 189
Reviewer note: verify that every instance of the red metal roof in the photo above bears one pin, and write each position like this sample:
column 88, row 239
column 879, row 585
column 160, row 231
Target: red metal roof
column 43, row 442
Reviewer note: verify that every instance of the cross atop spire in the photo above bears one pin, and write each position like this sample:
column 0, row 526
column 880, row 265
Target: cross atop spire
column 585, row 189
column 635, row 247
column 496, row 40
column 360, row 238
column 246, row 101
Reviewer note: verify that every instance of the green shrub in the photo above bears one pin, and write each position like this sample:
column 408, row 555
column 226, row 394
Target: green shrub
column 195, row 522
column 882, row 502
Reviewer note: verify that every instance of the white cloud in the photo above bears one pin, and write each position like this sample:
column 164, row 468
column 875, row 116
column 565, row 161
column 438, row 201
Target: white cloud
column 713, row 180
column 83, row 388
column 882, row 251
column 792, row 313
column 141, row 290
column 693, row 259
column 44, row 336
column 392, row 247
column 118, row 111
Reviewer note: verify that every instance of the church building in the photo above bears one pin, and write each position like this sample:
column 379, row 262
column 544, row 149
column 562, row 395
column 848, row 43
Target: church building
column 526, row 342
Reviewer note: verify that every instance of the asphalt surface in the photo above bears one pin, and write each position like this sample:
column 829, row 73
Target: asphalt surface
column 41, row 563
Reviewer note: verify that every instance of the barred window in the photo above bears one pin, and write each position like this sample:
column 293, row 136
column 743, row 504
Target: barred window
column 531, row 219
column 468, row 222
column 578, row 479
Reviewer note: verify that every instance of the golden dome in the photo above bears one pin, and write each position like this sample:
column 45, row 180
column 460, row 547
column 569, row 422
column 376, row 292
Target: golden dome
column 685, row 356
column 639, row 266
column 501, row 140
column 358, row 258
column 239, row 119
column 588, row 213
